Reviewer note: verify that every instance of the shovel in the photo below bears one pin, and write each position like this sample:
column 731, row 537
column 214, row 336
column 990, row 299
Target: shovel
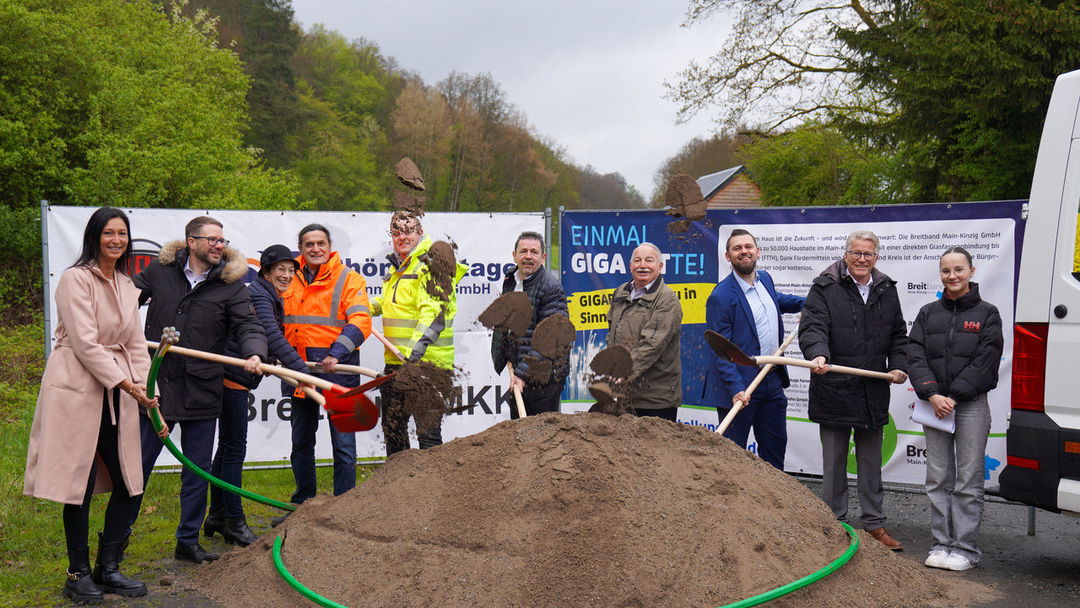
column 517, row 392
column 350, row 410
column 735, row 409
column 729, row 352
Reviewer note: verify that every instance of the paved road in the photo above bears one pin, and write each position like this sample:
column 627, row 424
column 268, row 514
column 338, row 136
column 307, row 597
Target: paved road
column 1040, row 571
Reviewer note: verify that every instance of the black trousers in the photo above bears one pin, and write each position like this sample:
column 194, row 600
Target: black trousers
column 118, row 512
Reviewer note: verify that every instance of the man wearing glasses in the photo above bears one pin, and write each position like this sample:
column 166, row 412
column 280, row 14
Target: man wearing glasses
column 327, row 318
column 852, row 317
column 197, row 287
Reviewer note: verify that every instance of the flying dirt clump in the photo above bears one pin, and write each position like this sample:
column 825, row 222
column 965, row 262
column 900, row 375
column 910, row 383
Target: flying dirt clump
column 511, row 312
column 576, row 510
column 685, row 202
column 611, row 367
column 442, row 264
column 409, row 174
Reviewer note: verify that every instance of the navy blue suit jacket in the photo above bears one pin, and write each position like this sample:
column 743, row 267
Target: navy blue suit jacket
column 728, row 313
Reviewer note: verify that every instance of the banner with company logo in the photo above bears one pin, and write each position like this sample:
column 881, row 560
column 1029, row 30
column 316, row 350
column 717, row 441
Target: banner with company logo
column 796, row 245
column 485, row 243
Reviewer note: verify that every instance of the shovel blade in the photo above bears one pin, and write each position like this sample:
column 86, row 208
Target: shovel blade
column 350, row 412
column 727, row 350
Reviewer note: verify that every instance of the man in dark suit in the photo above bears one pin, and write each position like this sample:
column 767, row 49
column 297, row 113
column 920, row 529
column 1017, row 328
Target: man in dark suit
column 746, row 309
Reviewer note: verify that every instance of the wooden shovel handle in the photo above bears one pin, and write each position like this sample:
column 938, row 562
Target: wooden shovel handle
column 735, row 409
column 388, row 345
column 349, row 369
column 517, row 391
column 839, row 369
column 280, row 372
column 311, row 393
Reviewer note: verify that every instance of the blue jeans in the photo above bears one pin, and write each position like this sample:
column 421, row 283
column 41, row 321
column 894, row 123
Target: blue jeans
column 955, row 472
column 232, row 448
column 767, row 413
column 305, row 422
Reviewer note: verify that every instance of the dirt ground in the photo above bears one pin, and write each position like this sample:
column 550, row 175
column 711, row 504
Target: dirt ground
column 575, row 510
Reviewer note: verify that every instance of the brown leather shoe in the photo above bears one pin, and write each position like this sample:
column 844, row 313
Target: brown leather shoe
column 883, row 537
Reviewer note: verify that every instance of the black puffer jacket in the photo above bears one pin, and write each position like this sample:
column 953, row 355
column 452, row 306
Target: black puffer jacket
column 206, row 316
column 837, row 325
column 955, row 347
column 547, row 298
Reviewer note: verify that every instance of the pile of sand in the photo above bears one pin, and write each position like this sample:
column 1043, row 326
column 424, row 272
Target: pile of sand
column 560, row 511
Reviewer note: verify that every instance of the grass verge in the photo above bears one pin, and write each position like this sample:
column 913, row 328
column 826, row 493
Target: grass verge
column 32, row 552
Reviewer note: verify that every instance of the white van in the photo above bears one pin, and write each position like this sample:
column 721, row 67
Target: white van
column 1043, row 439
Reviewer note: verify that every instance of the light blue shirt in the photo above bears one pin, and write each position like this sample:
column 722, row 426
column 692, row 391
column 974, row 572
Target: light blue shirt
column 766, row 322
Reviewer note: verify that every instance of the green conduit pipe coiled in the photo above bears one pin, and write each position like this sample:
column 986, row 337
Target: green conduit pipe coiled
column 155, row 419
column 805, row 581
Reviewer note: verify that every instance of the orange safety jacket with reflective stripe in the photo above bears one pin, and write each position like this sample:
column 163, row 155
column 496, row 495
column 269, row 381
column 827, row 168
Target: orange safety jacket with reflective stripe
column 331, row 313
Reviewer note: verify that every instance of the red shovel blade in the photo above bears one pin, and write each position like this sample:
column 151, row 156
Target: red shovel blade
column 350, row 409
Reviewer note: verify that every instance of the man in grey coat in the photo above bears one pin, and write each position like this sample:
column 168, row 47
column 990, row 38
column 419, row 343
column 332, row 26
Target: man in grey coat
column 646, row 317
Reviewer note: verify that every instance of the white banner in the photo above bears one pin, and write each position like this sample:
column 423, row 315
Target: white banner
column 485, row 243
column 909, row 254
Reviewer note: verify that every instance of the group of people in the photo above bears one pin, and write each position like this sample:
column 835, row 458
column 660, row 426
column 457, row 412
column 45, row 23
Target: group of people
column 311, row 313
column 852, row 317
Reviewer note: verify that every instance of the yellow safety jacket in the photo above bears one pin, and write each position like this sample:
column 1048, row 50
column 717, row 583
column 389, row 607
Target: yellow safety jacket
column 329, row 316
column 413, row 320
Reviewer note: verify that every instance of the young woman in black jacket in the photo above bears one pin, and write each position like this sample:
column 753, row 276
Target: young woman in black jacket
column 953, row 355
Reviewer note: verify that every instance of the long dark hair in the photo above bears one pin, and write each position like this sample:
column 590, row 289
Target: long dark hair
column 91, row 243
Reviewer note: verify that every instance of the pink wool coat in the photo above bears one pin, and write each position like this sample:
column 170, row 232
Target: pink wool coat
column 99, row 342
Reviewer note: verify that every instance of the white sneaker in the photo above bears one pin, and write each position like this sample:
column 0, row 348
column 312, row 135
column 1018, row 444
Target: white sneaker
column 957, row 563
column 937, row 559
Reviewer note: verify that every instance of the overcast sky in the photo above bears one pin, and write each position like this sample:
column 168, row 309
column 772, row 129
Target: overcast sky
column 587, row 73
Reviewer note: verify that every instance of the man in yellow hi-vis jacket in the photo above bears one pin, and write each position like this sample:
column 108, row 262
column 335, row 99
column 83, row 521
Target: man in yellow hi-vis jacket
column 418, row 323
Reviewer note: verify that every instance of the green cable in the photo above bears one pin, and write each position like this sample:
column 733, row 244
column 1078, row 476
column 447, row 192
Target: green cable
column 155, row 419
column 295, row 584
column 833, row 566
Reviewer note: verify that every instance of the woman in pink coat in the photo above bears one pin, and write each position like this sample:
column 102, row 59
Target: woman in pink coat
column 85, row 436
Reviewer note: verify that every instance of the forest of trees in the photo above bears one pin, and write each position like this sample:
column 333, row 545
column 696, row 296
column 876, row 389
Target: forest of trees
column 230, row 104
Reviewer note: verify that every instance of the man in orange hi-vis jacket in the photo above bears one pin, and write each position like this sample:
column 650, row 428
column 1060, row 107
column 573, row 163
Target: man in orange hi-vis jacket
column 327, row 318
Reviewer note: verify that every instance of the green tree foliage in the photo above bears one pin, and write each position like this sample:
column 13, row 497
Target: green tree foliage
column 114, row 102
column 336, row 150
column 954, row 90
column 819, row 165
column 264, row 36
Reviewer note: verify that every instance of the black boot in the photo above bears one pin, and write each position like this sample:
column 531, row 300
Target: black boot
column 215, row 522
column 107, row 571
column 80, row 586
column 237, row 532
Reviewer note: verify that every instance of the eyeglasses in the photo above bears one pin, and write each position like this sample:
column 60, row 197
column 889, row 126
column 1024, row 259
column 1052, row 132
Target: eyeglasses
column 396, row 233
column 869, row 255
column 213, row 241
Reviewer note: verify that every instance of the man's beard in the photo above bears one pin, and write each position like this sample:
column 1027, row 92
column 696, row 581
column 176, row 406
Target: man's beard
column 744, row 268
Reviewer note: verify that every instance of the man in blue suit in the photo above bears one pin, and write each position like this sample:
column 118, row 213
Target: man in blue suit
column 746, row 309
